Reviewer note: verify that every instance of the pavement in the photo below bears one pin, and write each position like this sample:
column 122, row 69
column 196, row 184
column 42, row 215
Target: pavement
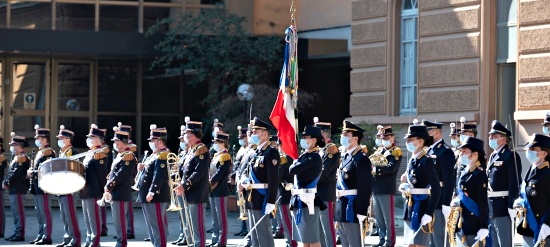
column 139, row 223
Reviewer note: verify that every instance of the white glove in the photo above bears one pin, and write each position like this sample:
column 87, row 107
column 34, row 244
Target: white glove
column 361, row 218
column 482, row 234
column 403, row 187
column 269, row 208
column 544, row 232
column 446, row 210
column 425, row 219
column 512, row 213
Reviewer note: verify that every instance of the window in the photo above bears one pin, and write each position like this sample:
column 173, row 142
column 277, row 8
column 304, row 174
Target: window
column 409, row 31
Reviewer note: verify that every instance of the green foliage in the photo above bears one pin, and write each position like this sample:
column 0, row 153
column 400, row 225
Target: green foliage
column 215, row 48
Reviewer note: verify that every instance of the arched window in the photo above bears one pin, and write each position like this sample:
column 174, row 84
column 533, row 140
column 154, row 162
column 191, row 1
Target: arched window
column 409, row 37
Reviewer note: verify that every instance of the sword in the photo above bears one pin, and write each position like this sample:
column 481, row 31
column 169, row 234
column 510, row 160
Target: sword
column 257, row 223
column 539, row 242
column 361, row 225
column 414, row 235
column 80, row 155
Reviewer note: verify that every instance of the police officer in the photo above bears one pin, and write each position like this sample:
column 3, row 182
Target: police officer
column 473, row 223
column 3, row 170
column 445, row 168
column 503, row 171
column 119, row 184
column 17, row 186
column 67, row 206
column 41, row 198
column 327, row 184
column 353, row 187
column 546, row 124
column 263, row 172
column 535, row 194
column 384, row 186
column 154, row 190
column 194, row 184
column 455, row 138
column 219, row 174
column 129, row 209
column 467, row 129
column 276, row 222
column 183, row 150
column 305, row 203
column 238, row 163
column 96, row 164
column 287, row 180
column 421, row 186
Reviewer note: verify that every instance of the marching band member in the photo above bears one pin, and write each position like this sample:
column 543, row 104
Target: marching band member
column 546, row 124
column 327, row 184
column 472, row 196
column 455, row 138
column 307, row 171
column 504, row 171
column 3, row 169
column 217, row 127
column 96, row 164
column 194, row 184
column 445, row 168
column 219, row 174
column 67, row 206
column 535, row 194
column 263, row 172
column 421, row 185
column 242, row 177
column 17, row 186
column 130, row 232
column 41, row 198
column 119, row 184
column 384, row 186
column 183, row 149
column 238, row 164
column 287, row 180
column 154, row 190
column 107, row 168
column 354, row 187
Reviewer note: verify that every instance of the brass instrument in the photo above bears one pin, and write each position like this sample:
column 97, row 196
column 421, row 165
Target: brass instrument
column 455, row 218
column 32, row 168
column 378, row 159
column 138, row 175
column 107, row 197
column 522, row 211
column 173, row 168
column 242, row 208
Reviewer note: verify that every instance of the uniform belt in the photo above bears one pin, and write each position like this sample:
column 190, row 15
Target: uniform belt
column 418, row 191
column 340, row 193
column 497, row 193
column 258, row 186
column 304, row 191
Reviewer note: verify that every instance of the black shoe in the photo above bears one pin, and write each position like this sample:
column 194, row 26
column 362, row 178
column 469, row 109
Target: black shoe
column 34, row 241
column 115, row 237
column 130, row 236
column 146, row 239
column 278, row 235
column 210, row 230
column 375, row 233
column 44, row 242
column 10, row 237
column 103, row 234
column 2, row 236
column 62, row 244
column 338, row 241
column 182, row 243
column 177, row 241
column 239, row 233
column 17, row 239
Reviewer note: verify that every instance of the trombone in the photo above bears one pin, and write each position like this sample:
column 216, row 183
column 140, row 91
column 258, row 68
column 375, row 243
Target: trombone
column 107, row 197
column 173, row 168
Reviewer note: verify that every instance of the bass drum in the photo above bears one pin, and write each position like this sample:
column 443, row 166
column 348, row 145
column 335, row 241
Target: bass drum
column 61, row 176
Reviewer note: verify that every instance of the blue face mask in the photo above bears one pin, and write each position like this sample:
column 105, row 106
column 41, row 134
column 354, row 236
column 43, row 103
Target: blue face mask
column 217, row 147
column 303, row 144
column 546, row 130
column 183, row 145
column 254, row 140
column 241, row 142
column 465, row 160
column 463, row 138
column 532, row 156
column 213, row 134
column 378, row 142
column 493, row 143
column 454, row 143
column 411, row 147
column 344, row 141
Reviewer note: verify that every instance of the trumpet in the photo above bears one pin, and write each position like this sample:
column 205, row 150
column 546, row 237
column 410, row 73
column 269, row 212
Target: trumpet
column 138, row 175
column 173, row 168
column 107, row 197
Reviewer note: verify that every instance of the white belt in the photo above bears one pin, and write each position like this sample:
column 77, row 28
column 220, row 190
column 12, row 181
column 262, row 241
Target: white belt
column 304, row 191
column 417, row 191
column 497, row 193
column 340, row 193
column 258, row 186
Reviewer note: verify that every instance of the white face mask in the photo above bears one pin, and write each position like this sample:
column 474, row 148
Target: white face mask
column 60, row 143
column 493, row 143
column 183, row 145
column 532, row 156
column 386, row 143
column 255, row 139
column 411, row 147
column 546, row 130
column 378, row 142
column 217, row 147
column 186, row 138
column 304, row 144
column 241, row 142
column 12, row 149
column 454, row 143
column 344, row 141
column 115, row 148
column 465, row 160
column 152, row 146
column 89, row 142
column 37, row 143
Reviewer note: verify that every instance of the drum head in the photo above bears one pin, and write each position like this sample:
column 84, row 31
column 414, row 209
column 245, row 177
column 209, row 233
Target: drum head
column 61, row 176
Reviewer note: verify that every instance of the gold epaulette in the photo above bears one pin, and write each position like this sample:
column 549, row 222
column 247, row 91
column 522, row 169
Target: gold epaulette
column 364, row 149
column 332, row 148
column 133, row 148
column 284, row 160
column 22, row 158
column 361, row 149
column 128, row 156
column 396, row 151
column 201, row 149
column 422, row 153
column 223, row 158
column 46, row 152
column 268, row 144
column 163, row 155
column 544, row 165
column 2, row 158
column 106, row 149
column 69, row 152
column 99, row 155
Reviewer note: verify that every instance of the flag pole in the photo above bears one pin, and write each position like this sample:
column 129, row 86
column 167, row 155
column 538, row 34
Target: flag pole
column 293, row 63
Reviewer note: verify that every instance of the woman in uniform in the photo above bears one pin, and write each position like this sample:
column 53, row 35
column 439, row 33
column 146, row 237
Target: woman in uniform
column 421, row 185
column 305, row 203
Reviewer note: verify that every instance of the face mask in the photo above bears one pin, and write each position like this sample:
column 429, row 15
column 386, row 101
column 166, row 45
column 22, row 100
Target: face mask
column 115, row 148
column 213, row 134
column 493, row 143
column 463, row 138
column 255, row 139
column 386, row 143
column 183, row 145
column 37, row 143
column 303, row 144
column 241, row 142
column 217, row 147
column 465, row 160
column 152, row 146
column 454, row 143
column 89, row 142
column 12, row 149
column 411, row 147
column 378, row 142
column 546, row 130
column 532, row 156
column 344, row 141
column 60, row 143
column 186, row 138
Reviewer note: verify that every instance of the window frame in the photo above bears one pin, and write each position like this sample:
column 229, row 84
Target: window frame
column 407, row 101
